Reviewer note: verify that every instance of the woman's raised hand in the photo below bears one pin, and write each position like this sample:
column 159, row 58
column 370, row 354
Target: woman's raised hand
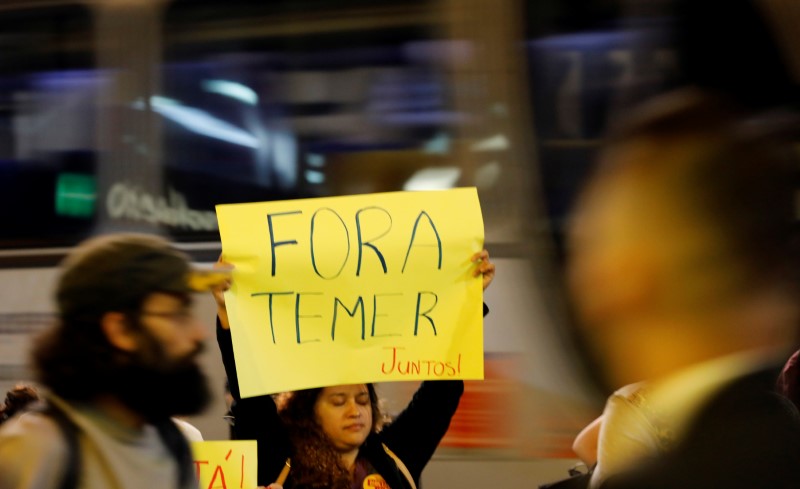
column 485, row 267
column 219, row 294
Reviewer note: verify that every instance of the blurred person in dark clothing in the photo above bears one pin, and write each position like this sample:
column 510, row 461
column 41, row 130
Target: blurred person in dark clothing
column 118, row 364
column 684, row 273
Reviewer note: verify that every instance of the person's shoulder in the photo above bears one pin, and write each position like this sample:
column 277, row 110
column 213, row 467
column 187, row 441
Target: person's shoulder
column 33, row 430
column 190, row 432
column 31, row 448
column 638, row 388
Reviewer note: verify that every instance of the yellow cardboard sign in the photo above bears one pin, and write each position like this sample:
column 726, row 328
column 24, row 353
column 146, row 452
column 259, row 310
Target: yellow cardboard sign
column 226, row 464
column 354, row 289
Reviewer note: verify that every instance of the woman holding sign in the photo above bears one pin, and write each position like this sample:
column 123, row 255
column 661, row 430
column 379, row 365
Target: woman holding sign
column 335, row 437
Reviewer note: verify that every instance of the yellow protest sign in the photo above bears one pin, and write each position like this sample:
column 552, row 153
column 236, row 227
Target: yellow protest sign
column 354, row 289
column 226, row 464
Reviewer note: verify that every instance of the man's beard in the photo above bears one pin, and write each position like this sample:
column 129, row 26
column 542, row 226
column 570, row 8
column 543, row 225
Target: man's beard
column 157, row 387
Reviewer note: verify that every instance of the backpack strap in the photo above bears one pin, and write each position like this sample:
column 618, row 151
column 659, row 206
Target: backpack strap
column 178, row 447
column 401, row 466
column 168, row 431
column 70, row 435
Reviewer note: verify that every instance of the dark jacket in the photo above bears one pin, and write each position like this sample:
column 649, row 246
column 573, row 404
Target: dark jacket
column 747, row 436
column 413, row 435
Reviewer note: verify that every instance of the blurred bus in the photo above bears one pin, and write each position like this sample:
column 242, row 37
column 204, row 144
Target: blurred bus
column 143, row 115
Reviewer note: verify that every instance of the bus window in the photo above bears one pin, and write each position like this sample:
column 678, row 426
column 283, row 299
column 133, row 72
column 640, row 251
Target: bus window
column 275, row 100
column 48, row 85
column 586, row 66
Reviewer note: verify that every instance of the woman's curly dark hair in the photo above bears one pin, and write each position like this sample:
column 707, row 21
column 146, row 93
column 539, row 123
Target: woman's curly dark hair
column 315, row 462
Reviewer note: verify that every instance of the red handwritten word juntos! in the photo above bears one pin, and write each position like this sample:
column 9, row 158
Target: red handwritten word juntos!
column 437, row 368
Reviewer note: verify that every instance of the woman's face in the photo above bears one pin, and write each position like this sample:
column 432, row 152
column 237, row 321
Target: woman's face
column 344, row 412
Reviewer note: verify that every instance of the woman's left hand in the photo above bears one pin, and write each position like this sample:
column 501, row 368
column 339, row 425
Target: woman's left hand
column 485, row 267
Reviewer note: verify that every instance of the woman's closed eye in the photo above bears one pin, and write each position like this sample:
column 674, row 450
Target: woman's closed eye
column 338, row 400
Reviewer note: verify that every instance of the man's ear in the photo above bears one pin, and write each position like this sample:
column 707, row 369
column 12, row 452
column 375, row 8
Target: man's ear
column 118, row 331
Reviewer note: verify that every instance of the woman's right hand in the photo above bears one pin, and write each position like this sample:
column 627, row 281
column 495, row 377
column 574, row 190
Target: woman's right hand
column 219, row 294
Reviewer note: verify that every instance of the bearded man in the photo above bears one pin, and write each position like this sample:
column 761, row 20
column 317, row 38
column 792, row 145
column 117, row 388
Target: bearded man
column 119, row 363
